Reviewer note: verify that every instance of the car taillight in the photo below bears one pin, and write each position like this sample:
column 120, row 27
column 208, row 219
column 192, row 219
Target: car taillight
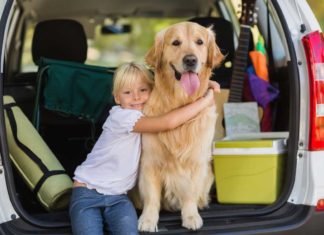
column 314, row 49
column 320, row 205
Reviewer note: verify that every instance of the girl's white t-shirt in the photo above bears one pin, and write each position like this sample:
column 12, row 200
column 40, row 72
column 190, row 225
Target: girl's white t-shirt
column 111, row 166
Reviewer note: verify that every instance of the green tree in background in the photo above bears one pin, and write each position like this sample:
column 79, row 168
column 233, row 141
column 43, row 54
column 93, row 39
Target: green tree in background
column 111, row 50
column 318, row 8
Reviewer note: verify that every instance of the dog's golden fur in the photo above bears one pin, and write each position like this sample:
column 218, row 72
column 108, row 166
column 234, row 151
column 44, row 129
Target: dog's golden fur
column 175, row 171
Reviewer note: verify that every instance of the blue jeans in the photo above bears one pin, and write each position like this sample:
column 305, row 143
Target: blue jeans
column 91, row 213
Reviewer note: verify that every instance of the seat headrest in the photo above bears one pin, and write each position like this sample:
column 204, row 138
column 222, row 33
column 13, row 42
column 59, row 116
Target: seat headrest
column 225, row 41
column 223, row 30
column 61, row 39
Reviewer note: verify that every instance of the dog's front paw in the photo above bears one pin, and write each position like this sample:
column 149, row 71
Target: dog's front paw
column 192, row 222
column 148, row 223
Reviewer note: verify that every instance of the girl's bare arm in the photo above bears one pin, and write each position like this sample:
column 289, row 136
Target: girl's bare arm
column 175, row 117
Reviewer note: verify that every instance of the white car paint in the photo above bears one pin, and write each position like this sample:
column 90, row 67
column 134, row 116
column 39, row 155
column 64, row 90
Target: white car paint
column 309, row 183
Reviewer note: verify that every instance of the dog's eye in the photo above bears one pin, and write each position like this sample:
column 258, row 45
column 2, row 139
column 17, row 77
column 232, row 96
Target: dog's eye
column 176, row 43
column 200, row 42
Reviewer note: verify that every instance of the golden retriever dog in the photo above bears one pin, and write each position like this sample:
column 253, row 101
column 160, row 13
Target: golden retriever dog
column 175, row 169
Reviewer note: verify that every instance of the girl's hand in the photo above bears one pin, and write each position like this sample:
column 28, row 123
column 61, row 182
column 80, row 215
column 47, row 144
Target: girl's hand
column 209, row 97
column 214, row 85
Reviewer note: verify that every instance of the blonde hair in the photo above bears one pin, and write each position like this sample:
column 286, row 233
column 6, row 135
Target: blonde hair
column 128, row 73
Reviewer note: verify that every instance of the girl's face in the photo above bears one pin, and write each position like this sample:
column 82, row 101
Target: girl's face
column 134, row 97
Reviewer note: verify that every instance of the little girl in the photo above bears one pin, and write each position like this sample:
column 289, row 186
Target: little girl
column 99, row 197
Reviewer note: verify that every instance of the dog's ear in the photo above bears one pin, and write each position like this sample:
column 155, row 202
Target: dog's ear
column 215, row 56
column 154, row 55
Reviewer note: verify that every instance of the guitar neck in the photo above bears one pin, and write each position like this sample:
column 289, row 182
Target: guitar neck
column 239, row 66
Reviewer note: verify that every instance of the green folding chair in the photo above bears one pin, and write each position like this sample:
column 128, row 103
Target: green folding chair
column 72, row 89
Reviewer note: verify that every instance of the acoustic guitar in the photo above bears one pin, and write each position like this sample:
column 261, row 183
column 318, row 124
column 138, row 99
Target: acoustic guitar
column 235, row 93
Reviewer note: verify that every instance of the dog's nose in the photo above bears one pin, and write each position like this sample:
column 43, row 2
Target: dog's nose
column 190, row 61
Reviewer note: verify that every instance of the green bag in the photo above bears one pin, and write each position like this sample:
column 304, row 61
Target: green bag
column 73, row 88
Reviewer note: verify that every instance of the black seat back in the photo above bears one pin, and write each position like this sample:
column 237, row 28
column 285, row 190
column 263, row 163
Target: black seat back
column 68, row 136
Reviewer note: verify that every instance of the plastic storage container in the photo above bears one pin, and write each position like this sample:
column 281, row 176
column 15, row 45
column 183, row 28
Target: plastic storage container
column 249, row 171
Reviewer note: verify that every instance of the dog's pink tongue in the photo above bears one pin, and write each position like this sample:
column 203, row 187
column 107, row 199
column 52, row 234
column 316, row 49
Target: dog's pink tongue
column 189, row 82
